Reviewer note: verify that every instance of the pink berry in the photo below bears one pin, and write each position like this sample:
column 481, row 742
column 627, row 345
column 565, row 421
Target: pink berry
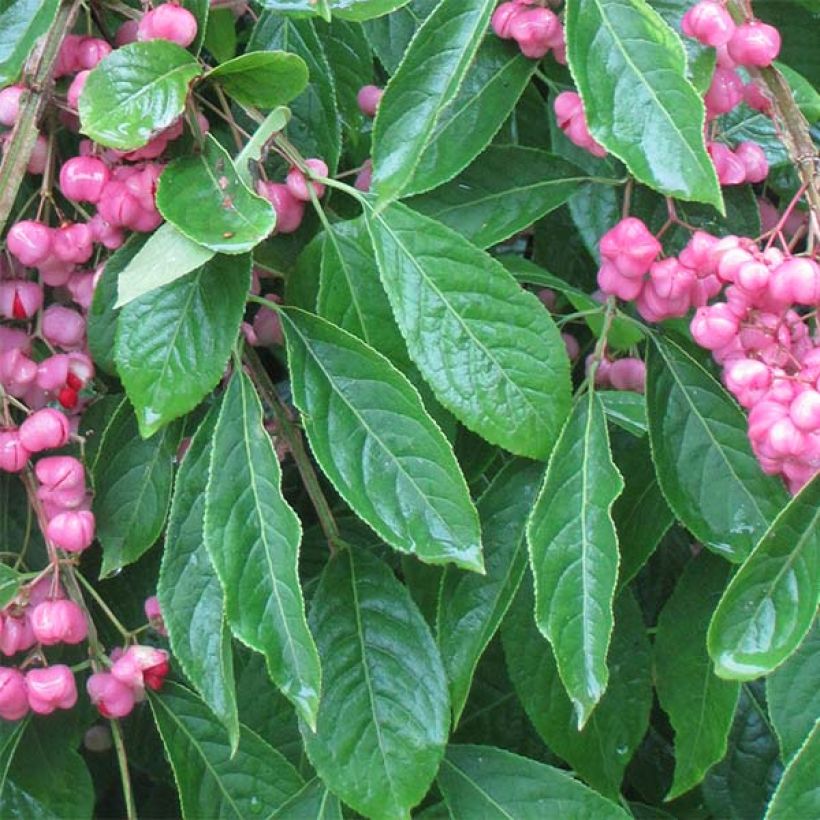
column 142, row 666
column 154, row 615
column 805, row 411
column 364, row 177
column 72, row 531
column 709, row 23
column 17, row 372
column 368, row 99
column 13, row 455
column 754, row 44
column 612, row 282
column 628, row 374
column 20, row 299
column 10, row 104
column 630, row 247
column 714, row 327
column 73, row 243
column 756, row 98
column 112, row 698
column 534, row 30
column 127, row 33
column 60, row 621
column 289, row 209
column 168, row 22
column 13, row 698
column 90, row 51
column 51, row 688
column 754, row 161
column 502, row 19
column 725, row 91
column 267, row 326
column 45, row 429
column 83, row 179
column 17, row 635
column 298, row 184
column 797, row 280
column 63, row 327
column 729, row 169
column 39, row 156
column 75, row 89
column 571, row 345
column 30, row 242
column 60, row 472
column 566, row 106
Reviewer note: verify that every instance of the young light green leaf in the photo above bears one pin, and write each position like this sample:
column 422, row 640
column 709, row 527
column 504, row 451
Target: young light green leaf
column 700, row 705
column 173, row 343
column 205, row 199
column 189, row 591
column 770, row 604
column 704, row 463
column 793, row 694
column 600, row 753
column 482, row 781
column 378, row 656
column 253, row 535
column 262, row 78
column 213, row 780
column 574, row 553
column 491, row 88
column 10, row 581
column 132, row 483
column 486, row 203
column 22, row 22
column 630, row 68
column 163, row 258
column 252, row 151
column 372, row 437
column 428, row 78
column 506, row 380
column 135, row 92
column 471, row 607
column 798, row 793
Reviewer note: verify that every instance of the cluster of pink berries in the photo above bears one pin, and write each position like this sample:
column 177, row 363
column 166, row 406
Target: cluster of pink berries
column 132, row 670
column 537, row 30
column 289, row 197
column 759, row 333
column 569, row 113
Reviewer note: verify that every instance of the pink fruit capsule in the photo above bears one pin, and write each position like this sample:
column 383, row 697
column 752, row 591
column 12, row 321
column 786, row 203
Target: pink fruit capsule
column 60, row 472
column 754, row 44
column 709, row 23
column 20, row 299
column 83, row 179
column 45, row 429
column 51, row 688
column 168, row 22
column 72, row 531
column 298, row 184
column 10, row 104
column 63, row 327
column 13, row 697
column 368, row 99
column 30, row 242
column 60, row 621
column 13, row 455
column 289, row 210
column 112, row 698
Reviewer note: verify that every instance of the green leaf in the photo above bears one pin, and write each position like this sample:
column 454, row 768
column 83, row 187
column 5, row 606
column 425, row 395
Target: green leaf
column 482, row 781
column 262, row 78
column 213, row 781
column 313, row 802
column 428, row 78
column 741, row 785
column 220, row 35
column 390, row 35
column 135, row 92
column 630, row 68
column 252, row 151
column 641, row 514
column 491, row 88
column 314, row 126
column 201, row 9
column 805, row 95
column 705, row 465
column 173, row 343
column 205, row 199
column 700, row 705
column 148, row 264
column 372, row 437
column 798, row 793
column 471, row 607
column 574, row 553
column 10, row 734
column 22, row 22
column 189, row 590
column 625, row 408
column 507, row 380
column 132, row 481
column 742, row 124
column 10, row 581
column 360, row 10
column 601, row 752
column 771, row 602
column 793, row 695
column 486, row 203
column 253, row 535
column 384, row 675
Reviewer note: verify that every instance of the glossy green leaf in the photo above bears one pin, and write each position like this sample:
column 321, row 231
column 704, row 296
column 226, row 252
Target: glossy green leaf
column 189, row 591
column 625, row 408
column 262, row 78
column 357, row 10
column 600, row 753
column 213, row 781
column 482, row 781
column 135, row 92
column 173, row 343
column 700, row 705
column 390, row 35
column 798, row 793
column 201, row 9
column 771, row 602
column 253, row 535
column 149, row 263
column 204, row 198
column 506, row 379
column 487, row 203
column 742, row 124
column 700, row 59
column 471, row 607
column 630, row 68
column 704, row 463
column 793, row 694
column 314, row 125
column 641, row 514
column 491, row 87
column 574, row 553
column 384, row 675
column 313, row 802
column 220, row 35
column 10, row 581
column 22, row 22
column 372, row 437
column 741, row 785
column 805, row 94
column 431, row 71
column 132, row 481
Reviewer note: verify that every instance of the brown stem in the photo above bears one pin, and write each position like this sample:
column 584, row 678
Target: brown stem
column 38, row 80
